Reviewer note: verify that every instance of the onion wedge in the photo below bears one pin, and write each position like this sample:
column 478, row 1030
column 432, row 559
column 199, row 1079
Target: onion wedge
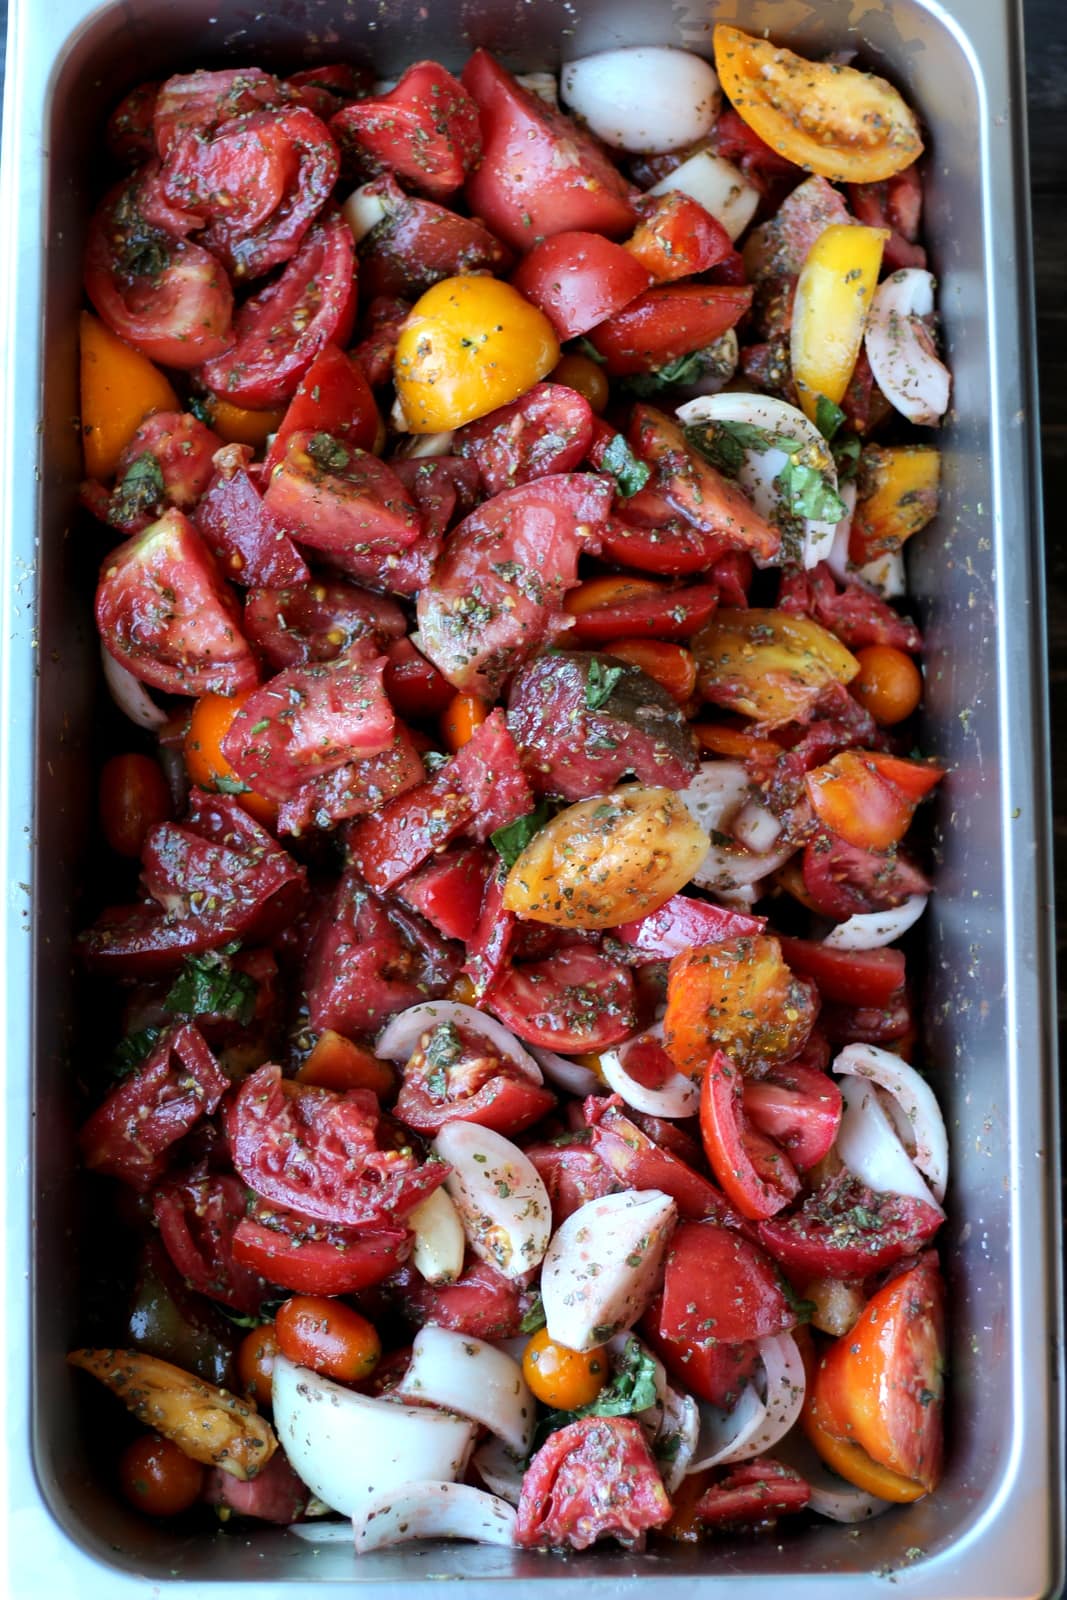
column 475, row 1380
column 871, row 1148
column 601, row 1268
column 497, row 1190
column 900, row 347
column 755, row 1425
column 917, row 1102
column 427, row 1509
column 130, row 694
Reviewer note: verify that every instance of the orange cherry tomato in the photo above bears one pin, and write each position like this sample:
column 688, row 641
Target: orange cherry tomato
column 597, row 593
column 585, row 375
column 204, row 760
column 671, row 665
column 327, row 1336
column 461, row 716
column 889, row 683
column 881, row 1386
column 738, row 996
column 867, row 798
column 133, row 798
column 723, row 740
column 560, row 1377
column 334, row 1062
column 158, row 1478
column 255, row 1363
column 238, row 425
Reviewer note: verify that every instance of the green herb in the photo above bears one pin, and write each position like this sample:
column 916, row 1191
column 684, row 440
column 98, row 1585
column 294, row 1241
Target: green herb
column 135, row 1048
column 828, row 417
column 208, row 985
column 600, row 681
column 630, row 473
column 511, row 840
column 327, row 452
column 802, row 1309
column 445, row 1046
column 261, row 726
column 631, row 1390
column 140, row 491
column 667, row 1448
column 588, row 349
column 535, row 1317
column 807, row 493
column 687, row 369
column 200, row 410
column 847, row 457
column 227, row 785
column 725, row 444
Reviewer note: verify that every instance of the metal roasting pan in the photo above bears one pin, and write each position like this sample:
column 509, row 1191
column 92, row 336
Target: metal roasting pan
column 992, row 1532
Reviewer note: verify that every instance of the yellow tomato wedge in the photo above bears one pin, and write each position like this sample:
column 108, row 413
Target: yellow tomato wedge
column 834, row 292
column 768, row 665
column 851, row 1462
column 119, row 388
column 899, row 490
column 238, row 425
column 469, row 345
column 846, row 125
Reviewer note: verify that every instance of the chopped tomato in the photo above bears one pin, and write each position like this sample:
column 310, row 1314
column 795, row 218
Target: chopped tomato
column 720, row 1288
column 425, row 129
column 318, row 621
column 683, row 922
column 604, row 608
column 547, row 431
column 639, row 1163
column 841, row 880
column 738, row 996
column 662, row 325
column 167, row 461
column 482, row 1303
column 198, row 102
column 868, row 799
column 853, row 1464
column 693, row 488
column 416, row 245
column 709, row 1368
column 205, row 763
column 753, row 1493
column 845, row 1230
column 668, row 546
column 853, row 612
column 449, row 889
column 454, row 1077
column 491, row 945
column 593, row 1479
column 669, row 665
column 133, row 797
column 130, row 132
column 239, row 530
column 341, row 500
column 333, row 397
column 196, row 1217
column 335, row 1062
column 572, row 1173
column 579, row 279
column 312, row 1257
column 573, row 1001
column 755, row 1172
column 853, row 977
column 414, row 684
column 798, row 1107
column 676, row 237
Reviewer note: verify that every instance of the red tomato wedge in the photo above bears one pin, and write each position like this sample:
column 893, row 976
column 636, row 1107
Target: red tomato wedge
column 549, row 430
column 853, row 977
column 197, row 1218
column 755, row 1173
column 662, row 325
column 472, row 1085
column 676, row 237
column 425, row 129
column 572, row 1002
column 319, row 621
column 199, row 102
column 867, row 798
column 578, row 279
column 333, row 397
column 312, row 1257
column 592, row 1479
column 239, row 530
column 639, row 1163
column 798, row 1107
column 340, row 499
column 845, row 1230
column 720, row 1288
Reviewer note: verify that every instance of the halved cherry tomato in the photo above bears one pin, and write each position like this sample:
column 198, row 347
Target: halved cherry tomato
column 738, row 996
column 425, row 129
column 205, row 763
column 578, row 279
column 677, row 237
column 888, row 683
column 754, row 1171
column 461, row 716
column 662, row 325
column 255, row 1363
column 560, row 1377
column 867, row 798
column 683, row 922
column 158, row 1478
column 718, row 1287
column 133, row 798
column 328, row 1337
column 592, row 1479
column 586, row 377
column 670, row 665
column 335, row 1062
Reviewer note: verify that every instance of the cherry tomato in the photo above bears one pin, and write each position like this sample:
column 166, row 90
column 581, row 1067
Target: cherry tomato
column 237, row 425
column 205, row 763
column 889, row 683
column 584, row 375
column 255, row 1362
column 560, row 1377
column 461, row 716
column 468, row 346
column 328, row 1337
column 671, row 665
column 158, row 1478
column 133, row 798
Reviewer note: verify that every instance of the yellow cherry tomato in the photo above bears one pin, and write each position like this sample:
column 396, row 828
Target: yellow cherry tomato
column 833, row 296
column 579, row 372
column 888, row 683
column 560, row 1377
column 837, row 121
column 469, row 346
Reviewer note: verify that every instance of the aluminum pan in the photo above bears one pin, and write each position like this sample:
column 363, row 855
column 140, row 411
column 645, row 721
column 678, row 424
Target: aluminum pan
column 993, row 1529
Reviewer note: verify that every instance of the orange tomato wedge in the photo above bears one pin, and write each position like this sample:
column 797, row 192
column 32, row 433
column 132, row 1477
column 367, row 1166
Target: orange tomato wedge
column 119, row 388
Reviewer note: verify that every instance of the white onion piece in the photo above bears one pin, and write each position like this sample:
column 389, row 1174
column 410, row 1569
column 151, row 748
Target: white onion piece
column 428, row 1509
column 130, row 694
column 757, row 827
column 475, row 1380
column 565, row 1074
column 543, row 84
column 886, row 575
column 872, row 930
column 831, row 1496
column 673, row 1420
column 322, row 1532
column 717, row 794
column 601, row 1268
column 425, row 446
column 402, row 1034
column 500, row 1470
column 916, row 1100
column 718, row 186
column 900, row 347
column 783, row 1371
column 644, row 97
column 724, row 1433
column 499, row 1195
column 678, row 1097
column 348, row 1447
column 729, row 873
column 440, row 1243
column 837, row 557
column 363, row 211
column 870, row 1147
column 761, row 467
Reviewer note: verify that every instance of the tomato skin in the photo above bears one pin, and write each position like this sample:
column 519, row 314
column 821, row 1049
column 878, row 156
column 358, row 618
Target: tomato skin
column 640, row 1163
column 798, row 1107
column 720, row 1287
column 579, row 279
column 561, row 1378
column 853, row 1464
column 196, row 1220
column 757, row 1176
column 573, row 1001
column 591, row 1479
column 844, row 1230
column 327, row 1336
column 662, row 325
column 332, row 397
column 255, row 1363
column 158, row 1478
column 677, row 237
column 654, row 612
column 737, row 996
column 852, row 977
column 317, row 1258
column 425, row 129
column 868, row 799
column 197, row 102
column 130, row 132
column 547, row 430
column 205, row 763
column 133, row 797
column 540, row 174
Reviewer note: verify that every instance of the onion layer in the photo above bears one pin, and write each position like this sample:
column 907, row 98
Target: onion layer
column 476, row 1380
column 497, row 1190
column 900, row 347
column 916, row 1100
column 427, row 1509
column 601, row 1267
column 870, row 1146
column 871, row 930
column 679, row 1096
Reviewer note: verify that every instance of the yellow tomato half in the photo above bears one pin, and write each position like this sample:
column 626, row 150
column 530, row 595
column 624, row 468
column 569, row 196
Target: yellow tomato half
column 469, row 345
column 834, row 291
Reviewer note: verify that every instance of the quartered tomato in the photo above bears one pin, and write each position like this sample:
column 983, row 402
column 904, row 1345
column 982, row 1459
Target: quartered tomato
column 333, row 397
column 574, row 1001
column 454, row 1076
column 548, row 430
column 676, row 237
column 239, row 530
column 858, row 616
column 414, row 246
column 572, row 1173
column 710, row 1369
column 682, row 923
column 334, row 1062
column 326, row 89
column 845, row 1230
column 449, row 889
column 197, row 1217
column 841, row 880
column 318, row 621
column 593, row 1479
column 638, row 1162
column 425, row 129
column 579, row 279
column 720, row 1288
column 341, row 500
column 738, row 996
column 755, row 1172
column 313, row 1257
column 868, row 799
column 852, row 977
column 662, row 325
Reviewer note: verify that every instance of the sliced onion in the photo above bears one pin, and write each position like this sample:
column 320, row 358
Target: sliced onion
column 425, row 446
column 757, row 827
column 643, row 97
column 724, row 1433
column 439, row 1243
column 872, row 930
column 348, row 1447
column 900, row 347
column 475, row 1380
column 718, row 186
column 783, row 1371
column 761, row 467
column 432, row 1510
column 565, row 1074
column 718, row 364
column 499, row 1195
column 678, row 1097
column 363, row 211
column 322, row 1532
column 601, row 1268
column 130, row 694
column 831, row 1496
column 717, row 794
column 403, row 1034
column 916, row 1100
column 837, row 557
column 728, row 873
column 886, row 575
column 870, row 1147
column 672, row 1424
column 543, row 84
column 500, row 1470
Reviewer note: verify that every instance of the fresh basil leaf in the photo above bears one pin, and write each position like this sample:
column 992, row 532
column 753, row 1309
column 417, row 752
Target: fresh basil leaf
column 717, row 447
column 687, row 369
column 208, row 985
column 227, row 785
column 630, row 1390
column 587, row 348
column 847, row 457
column 807, row 493
column 135, row 1048
column 802, row 1309
column 599, row 683
column 200, row 410
column 511, row 840
column 535, row 1317
column 327, row 452
column 828, row 417
column 140, row 491
column 629, row 472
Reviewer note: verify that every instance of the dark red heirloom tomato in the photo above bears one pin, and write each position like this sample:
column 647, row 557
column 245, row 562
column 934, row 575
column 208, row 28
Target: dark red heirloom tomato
column 333, row 397
column 667, row 545
column 169, row 461
column 897, row 205
column 326, row 89
column 853, row 977
column 853, row 612
column 413, row 684
column 845, row 1230
column 540, row 173
column 164, row 613
column 198, row 102
column 133, row 797
column 418, row 242
column 482, row 1303
column 710, row 1369
column 753, row 1493
column 755, row 1172
column 449, row 889
column 578, row 279
column 382, row 321
column 639, row 1163
column 275, row 1494
column 694, row 489
column 196, row 1217
column 842, row 880
column 318, row 621
column 719, row 1286
column 662, row 325
column 491, row 945
column 798, row 1107
column 130, row 133
column 548, row 430
column 677, row 237
column 682, row 922
column 573, row 1001
column 314, row 1257
column 239, row 530
column 278, row 332
column 166, row 1095
column 466, row 1082
column 339, row 499
column 425, row 129
column 167, row 297
column 593, row 1479
column 317, row 1152
column 572, row 1173
column 603, row 609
